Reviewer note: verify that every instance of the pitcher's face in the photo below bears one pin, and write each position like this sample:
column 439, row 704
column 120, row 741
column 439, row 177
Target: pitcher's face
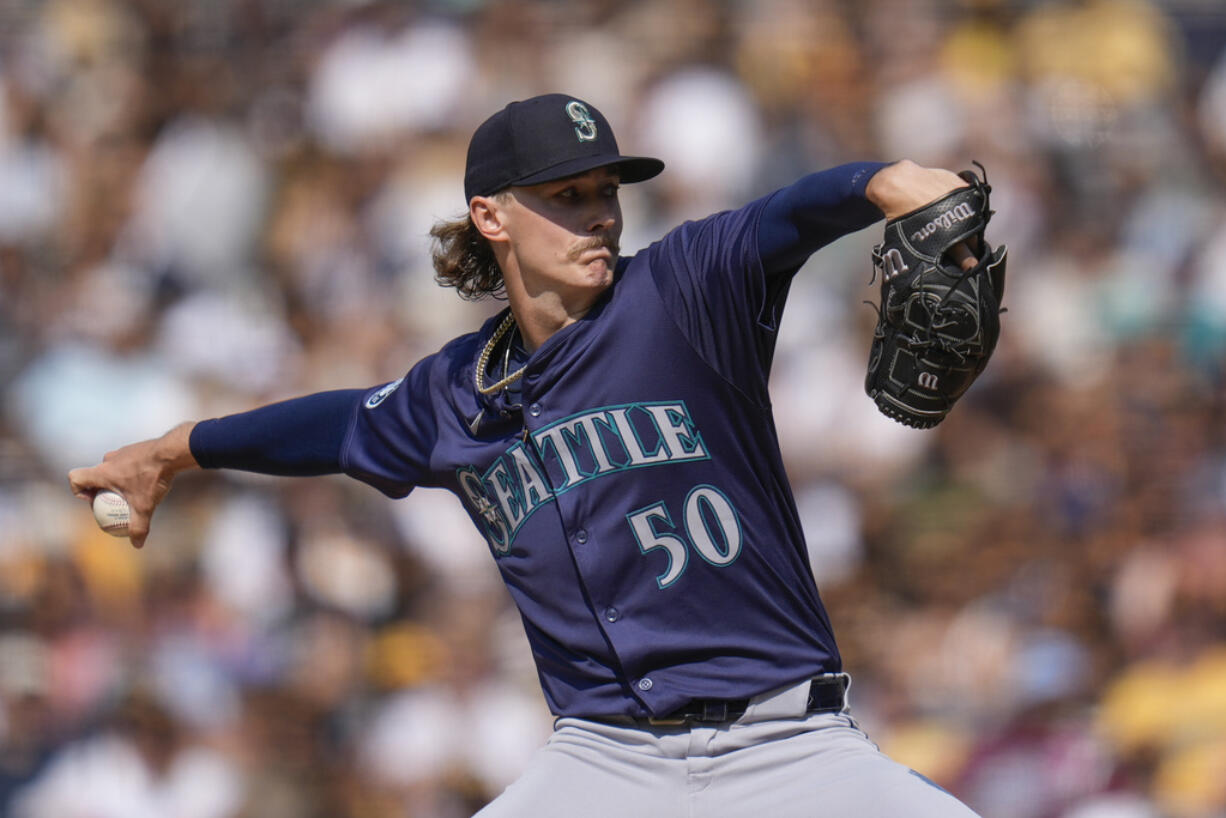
column 564, row 234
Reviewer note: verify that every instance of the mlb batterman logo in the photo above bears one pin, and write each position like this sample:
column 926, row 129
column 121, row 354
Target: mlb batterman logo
column 380, row 396
column 585, row 126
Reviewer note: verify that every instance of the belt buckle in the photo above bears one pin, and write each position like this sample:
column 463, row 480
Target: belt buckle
column 667, row 721
column 699, row 711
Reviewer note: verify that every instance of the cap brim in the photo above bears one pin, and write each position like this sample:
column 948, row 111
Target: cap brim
column 630, row 168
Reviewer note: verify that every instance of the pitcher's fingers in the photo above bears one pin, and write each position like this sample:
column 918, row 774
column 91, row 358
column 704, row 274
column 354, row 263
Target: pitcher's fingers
column 962, row 256
column 83, row 483
column 138, row 528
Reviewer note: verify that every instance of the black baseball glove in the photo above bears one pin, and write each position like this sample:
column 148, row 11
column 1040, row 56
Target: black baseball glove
column 938, row 323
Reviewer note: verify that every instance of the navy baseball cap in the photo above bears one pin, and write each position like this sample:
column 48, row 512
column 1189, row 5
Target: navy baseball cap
column 542, row 139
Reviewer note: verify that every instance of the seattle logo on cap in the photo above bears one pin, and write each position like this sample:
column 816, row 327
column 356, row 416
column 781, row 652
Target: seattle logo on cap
column 585, row 126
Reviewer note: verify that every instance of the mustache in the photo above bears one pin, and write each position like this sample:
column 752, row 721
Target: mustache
column 593, row 243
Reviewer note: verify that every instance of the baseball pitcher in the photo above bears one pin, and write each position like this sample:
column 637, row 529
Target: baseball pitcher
column 610, row 434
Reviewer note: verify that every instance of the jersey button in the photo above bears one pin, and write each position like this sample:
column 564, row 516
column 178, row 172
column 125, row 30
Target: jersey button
column 645, row 684
column 581, row 536
column 535, row 410
column 612, row 614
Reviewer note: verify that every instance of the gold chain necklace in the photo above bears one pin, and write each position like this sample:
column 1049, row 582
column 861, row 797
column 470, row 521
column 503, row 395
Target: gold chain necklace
column 484, row 360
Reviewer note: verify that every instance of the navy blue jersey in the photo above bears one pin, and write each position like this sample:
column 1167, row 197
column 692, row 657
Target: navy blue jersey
column 632, row 491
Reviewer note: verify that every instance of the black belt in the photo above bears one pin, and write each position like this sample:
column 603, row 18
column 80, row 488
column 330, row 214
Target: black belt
column 827, row 694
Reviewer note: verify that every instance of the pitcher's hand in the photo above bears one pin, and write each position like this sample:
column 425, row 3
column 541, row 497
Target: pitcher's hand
column 141, row 472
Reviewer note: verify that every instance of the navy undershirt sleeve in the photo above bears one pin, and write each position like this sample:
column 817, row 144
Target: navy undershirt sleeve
column 299, row 437
column 805, row 216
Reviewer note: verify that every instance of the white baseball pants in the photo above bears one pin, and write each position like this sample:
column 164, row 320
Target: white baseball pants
column 773, row 762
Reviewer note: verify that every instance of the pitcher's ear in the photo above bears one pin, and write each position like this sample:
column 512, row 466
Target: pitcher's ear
column 488, row 215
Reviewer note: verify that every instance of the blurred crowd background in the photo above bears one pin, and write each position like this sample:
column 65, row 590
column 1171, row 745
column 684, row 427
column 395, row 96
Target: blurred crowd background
column 206, row 205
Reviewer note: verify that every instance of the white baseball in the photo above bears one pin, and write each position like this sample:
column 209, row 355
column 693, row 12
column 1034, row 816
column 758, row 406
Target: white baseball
column 112, row 513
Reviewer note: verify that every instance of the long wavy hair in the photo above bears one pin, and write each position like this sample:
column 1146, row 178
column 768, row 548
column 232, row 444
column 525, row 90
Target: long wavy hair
column 464, row 259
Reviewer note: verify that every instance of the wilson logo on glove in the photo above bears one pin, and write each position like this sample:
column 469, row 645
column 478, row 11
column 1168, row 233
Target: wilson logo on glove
column 947, row 220
column 892, row 264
